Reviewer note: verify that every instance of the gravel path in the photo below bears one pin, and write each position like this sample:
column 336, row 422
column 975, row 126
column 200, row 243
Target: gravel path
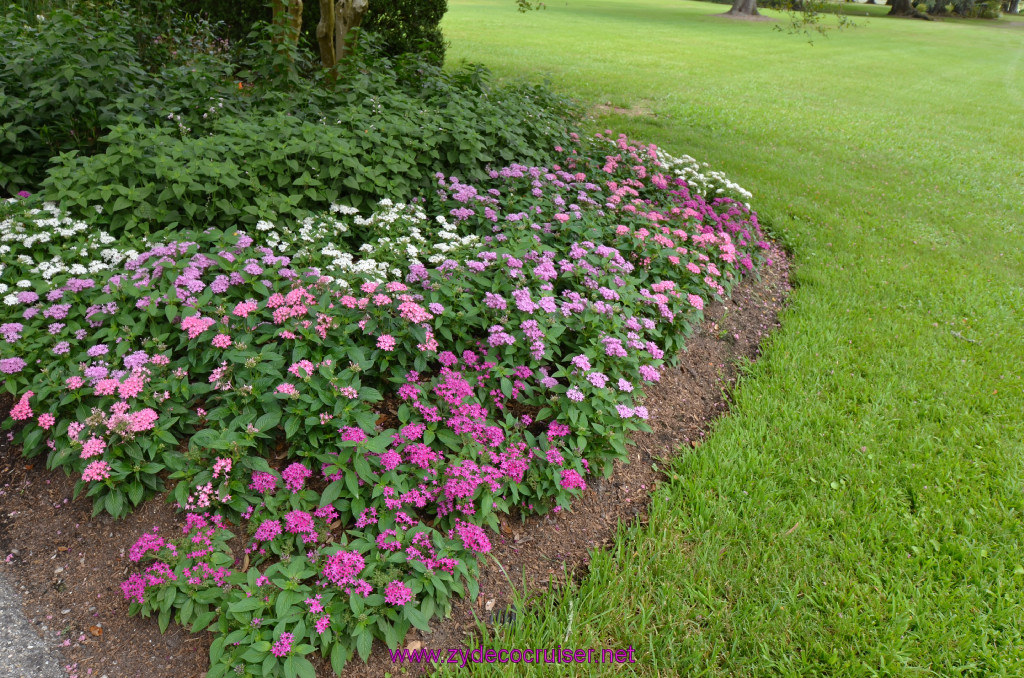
column 23, row 654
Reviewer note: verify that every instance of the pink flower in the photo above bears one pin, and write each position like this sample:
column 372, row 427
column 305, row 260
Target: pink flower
column 473, row 537
column 390, row 460
column 572, row 480
column 46, row 420
column 299, row 522
column 263, row 482
column 221, row 341
column 303, row 368
column 97, row 470
column 143, row 420
column 696, row 301
column 295, row 476
column 134, row 588
column 322, row 623
column 267, row 530
column 92, row 447
column 196, row 325
column 131, row 387
column 283, row 645
column 286, row 389
column 244, row 308
column 397, row 593
column 342, row 567
column 386, row 342
column 22, row 410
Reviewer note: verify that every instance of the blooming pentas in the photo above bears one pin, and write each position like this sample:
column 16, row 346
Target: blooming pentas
column 283, row 645
column 295, row 476
column 22, row 410
column 405, row 399
column 397, row 593
column 343, row 567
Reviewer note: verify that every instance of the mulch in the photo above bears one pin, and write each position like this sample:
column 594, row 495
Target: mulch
column 68, row 565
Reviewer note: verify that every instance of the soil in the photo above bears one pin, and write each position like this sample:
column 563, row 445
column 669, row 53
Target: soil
column 68, row 566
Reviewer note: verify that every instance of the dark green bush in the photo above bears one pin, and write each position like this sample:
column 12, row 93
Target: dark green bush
column 64, row 81
column 402, row 25
column 384, row 130
column 408, row 26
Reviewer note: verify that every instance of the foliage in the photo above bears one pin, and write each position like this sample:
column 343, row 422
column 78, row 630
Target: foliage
column 401, row 26
column 362, row 420
column 64, row 81
column 985, row 9
column 384, row 129
column 406, row 26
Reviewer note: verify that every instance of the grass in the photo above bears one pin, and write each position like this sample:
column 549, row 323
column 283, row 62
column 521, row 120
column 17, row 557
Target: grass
column 860, row 511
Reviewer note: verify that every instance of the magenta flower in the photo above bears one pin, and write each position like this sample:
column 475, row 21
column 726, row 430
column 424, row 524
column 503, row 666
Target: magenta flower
column 268, row 530
column 342, row 567
column 572, row 480
column 323, row 623
column 295, row 476
column 263, row 482
column 134, row 588
column 397, row 593
column 386, row 342
column 299, row 522
column 283, row 645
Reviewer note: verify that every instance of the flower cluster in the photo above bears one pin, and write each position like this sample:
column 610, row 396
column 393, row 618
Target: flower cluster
column 365, row 397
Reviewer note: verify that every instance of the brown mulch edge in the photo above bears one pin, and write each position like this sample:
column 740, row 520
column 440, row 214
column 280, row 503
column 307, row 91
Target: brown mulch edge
column 68, row 566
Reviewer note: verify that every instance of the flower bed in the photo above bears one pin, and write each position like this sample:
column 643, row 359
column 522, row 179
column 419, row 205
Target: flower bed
column 344, row 407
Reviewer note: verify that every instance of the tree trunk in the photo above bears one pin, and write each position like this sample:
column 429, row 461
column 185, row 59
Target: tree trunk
column 325, row 34
column 1014, row 7
column 288, row 19
column 744, row 8
column 348, row 14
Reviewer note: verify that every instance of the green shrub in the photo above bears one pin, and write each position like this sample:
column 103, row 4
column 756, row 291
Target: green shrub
column 403, row 25
column 975, row 9
column 385, row 130
column 64, row 81
column 408, row 26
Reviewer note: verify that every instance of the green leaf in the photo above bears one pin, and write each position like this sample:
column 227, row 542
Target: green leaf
column 268, row 420
column 338, row 658
column 418, row 619
column 331, row 492
column 291, row 426
column 115, row 503
column 363, row 468
column 245, row 605
column 364, row 641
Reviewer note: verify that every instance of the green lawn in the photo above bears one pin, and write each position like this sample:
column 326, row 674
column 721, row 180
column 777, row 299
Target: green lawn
column 885, row 418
